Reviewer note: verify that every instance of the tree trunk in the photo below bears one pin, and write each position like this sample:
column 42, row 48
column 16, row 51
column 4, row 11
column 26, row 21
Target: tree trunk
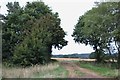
column 118, row 64
column 110, row 55
column 118, row 59
column 48, row 56
column 98, row 60
column 50, row 51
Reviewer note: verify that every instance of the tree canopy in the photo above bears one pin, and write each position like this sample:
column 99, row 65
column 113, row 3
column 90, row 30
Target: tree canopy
column 30, row 32
column 98, row 27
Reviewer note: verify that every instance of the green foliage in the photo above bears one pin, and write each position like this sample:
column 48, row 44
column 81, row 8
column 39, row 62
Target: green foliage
column 30, row 32
column 97, row 26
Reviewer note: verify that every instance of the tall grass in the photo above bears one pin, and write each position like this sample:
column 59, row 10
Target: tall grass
column 58, row 72
column 17, row 72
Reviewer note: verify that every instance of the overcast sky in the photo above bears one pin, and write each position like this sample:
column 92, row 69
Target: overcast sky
column 69, row 12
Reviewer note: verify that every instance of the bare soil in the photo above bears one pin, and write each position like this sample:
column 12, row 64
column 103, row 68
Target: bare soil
column 72, row 67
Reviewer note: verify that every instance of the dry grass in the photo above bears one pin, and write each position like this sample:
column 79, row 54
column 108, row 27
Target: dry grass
column 78, row 59
column 27, row 72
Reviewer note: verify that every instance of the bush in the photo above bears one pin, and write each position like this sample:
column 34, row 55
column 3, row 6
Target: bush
column 30, row 53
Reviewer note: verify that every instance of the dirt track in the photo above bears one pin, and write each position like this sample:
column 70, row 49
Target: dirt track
column 72, row 67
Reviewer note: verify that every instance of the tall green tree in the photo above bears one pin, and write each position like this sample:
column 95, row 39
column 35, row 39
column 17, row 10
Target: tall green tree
column 31, row 32
column 96, row 27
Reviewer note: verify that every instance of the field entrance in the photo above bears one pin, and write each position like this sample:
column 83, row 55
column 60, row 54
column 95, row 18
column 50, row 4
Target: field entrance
column 74, row 70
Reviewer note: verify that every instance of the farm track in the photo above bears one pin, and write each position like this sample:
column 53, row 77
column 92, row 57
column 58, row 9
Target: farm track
column 72, row 67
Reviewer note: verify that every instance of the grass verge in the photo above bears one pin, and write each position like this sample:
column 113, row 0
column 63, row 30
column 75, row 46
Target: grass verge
column 79, row 73
column 52, row 70
column 28, row 72
column 58, row 72
column 104, row 71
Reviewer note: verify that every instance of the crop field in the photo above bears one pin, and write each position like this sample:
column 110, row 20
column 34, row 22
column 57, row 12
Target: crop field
column 79, row 59
column 73, row 59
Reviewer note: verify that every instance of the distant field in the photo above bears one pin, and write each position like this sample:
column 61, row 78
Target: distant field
column 78, row 59
column 69, row 59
